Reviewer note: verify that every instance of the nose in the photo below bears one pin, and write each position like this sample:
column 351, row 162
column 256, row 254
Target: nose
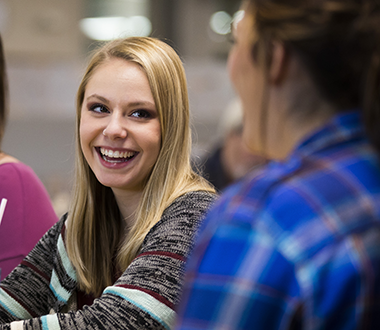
column 115, row 129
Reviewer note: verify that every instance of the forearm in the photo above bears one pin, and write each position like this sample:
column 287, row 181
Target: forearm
column 109, row 312
column 145, row 296
column 129, row 304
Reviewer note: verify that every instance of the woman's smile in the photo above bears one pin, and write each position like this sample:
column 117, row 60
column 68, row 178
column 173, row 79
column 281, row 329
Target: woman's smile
column 115, row 159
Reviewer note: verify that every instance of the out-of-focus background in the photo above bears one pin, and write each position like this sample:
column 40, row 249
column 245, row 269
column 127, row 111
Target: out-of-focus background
column 47, row 44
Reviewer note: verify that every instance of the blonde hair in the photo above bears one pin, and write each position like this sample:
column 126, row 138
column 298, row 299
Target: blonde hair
column 95, row 244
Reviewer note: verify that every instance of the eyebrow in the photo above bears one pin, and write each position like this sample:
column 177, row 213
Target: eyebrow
column 139, row 104
column 101, row 98
column 132, row 104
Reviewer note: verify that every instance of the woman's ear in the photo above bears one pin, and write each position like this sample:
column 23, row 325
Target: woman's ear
column 279, row 63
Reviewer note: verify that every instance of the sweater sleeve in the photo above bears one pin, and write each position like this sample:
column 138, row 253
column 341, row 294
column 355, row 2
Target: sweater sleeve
column 145, row 296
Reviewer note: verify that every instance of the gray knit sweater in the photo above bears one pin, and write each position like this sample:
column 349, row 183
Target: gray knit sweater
column 39, row 290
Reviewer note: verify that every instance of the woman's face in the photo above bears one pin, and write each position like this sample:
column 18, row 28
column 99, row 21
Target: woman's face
column 248, row 81
column 120, row 132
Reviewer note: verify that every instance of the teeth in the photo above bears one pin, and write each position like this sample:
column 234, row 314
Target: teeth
column 116, row 154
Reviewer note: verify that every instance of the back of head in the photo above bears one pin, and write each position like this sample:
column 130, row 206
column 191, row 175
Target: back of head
column 338, row 41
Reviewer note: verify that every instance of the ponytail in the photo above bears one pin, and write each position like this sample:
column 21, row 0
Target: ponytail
column 338, row 42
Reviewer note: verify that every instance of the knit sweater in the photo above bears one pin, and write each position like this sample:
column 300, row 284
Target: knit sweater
column 39, row 290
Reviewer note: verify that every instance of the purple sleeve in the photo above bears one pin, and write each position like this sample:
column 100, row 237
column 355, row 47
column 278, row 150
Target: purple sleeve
column 27, row 216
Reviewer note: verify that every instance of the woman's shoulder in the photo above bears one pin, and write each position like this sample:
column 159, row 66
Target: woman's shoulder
column 17, row 178
column 7, row 159
column 186, row 211
column 13, row 164
column 196, row 196
column 179, row 223
column 18, row 170
column 193, row 201
column 19, row 182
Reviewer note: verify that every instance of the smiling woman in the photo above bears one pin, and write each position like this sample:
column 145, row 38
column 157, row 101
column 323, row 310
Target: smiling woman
column 120, row 129
column 136, row 203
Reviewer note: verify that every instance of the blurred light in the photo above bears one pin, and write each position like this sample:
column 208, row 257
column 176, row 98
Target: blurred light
column 238, row 16
column 108, row 28
column 220, row 22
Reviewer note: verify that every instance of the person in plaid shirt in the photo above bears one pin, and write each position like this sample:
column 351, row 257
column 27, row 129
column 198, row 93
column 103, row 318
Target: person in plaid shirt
column 297, row 244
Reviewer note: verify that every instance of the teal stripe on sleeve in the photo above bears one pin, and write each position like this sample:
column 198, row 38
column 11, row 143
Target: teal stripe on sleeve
column 13, row 307
column 159, row 311
column 69, row 269
column 50, row 322
column 59, row 291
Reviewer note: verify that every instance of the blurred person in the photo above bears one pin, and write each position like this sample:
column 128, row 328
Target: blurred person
column 28, row 212
column 297, row 246
column 230, row 159
column 115, row 260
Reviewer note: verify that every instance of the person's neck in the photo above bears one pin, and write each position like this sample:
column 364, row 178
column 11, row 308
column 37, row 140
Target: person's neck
column 4, row 158
column 294, row 118
column 293, row 133
column 127, row 202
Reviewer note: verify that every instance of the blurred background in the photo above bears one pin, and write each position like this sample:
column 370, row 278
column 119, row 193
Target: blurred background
column 47, row 44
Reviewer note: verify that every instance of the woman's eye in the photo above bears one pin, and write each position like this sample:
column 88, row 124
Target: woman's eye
column 140, row 114
column 98, row 108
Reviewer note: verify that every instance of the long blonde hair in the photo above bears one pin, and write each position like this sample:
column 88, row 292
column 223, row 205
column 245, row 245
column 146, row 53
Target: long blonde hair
column 95, row 244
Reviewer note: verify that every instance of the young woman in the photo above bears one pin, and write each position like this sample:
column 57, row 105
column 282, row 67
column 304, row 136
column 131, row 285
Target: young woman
column 298, row 245
column 28, row 212
column 136, row 203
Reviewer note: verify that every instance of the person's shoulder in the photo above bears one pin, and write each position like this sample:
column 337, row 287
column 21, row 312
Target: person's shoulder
column 180, row 221
column 7, row 159
column 14, row 166
column 194, row 199
column 191, row 205
column 187, row 210
column 15, row 176
column 36, row 197
column 252, row 188
column 19, row 170
column 270, row 191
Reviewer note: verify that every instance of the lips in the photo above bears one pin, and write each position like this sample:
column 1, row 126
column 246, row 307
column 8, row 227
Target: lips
column 115, row 156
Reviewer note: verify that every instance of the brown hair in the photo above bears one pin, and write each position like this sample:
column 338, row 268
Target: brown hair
column 339, row 43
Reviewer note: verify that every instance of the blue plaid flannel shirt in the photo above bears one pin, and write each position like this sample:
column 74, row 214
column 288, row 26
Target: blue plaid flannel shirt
column 296, row 246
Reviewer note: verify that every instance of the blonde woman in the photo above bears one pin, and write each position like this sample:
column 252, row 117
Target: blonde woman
column 115, row 261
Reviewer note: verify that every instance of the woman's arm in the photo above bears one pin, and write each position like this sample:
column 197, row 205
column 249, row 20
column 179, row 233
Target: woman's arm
column 145, row 296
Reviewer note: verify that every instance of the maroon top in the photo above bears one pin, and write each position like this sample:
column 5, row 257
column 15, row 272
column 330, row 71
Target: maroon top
column 28, row 214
